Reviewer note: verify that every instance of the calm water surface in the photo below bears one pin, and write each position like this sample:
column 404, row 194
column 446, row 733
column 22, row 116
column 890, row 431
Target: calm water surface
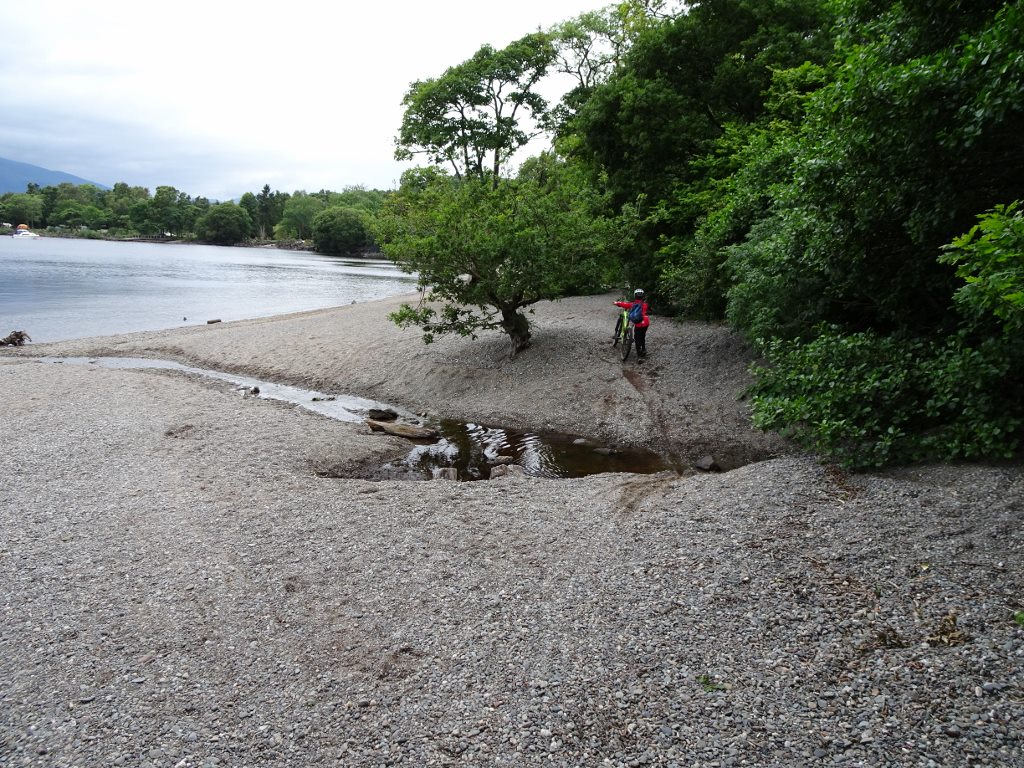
column 55, row 288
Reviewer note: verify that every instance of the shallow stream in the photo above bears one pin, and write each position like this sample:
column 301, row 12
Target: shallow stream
column 471, row 450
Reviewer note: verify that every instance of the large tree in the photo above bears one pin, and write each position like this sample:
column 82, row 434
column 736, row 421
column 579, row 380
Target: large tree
column 484, row 245
column 484, row 254
column 589, row 47
column 477, row 114
column 119, row 202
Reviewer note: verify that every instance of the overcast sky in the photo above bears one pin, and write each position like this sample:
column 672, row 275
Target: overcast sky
column 220, row 97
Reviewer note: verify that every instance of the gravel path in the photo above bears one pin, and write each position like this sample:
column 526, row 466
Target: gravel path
column 179, row 588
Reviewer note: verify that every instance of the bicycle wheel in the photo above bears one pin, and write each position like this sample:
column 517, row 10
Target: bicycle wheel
column 627, row 342
column 618, row 331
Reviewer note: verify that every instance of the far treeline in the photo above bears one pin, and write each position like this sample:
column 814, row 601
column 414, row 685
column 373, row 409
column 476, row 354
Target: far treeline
column 336, row 222
column 838, row 180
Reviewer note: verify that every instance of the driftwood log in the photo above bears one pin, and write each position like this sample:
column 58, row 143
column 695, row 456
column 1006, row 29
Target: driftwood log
column 411, row 431
column 15, row 339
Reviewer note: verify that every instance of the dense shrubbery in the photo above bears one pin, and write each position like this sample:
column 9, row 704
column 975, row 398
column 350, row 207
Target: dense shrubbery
column 340, row 230
column 864, row 399
column 224, row 224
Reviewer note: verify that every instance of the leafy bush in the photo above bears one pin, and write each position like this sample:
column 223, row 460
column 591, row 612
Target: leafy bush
column 224, row 224
column 990, row 258
column 866, row 400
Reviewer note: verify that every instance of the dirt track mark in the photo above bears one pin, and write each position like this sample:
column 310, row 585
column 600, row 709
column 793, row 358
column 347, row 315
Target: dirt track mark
column 635, row 492
column 662, row 441
column 633, row 377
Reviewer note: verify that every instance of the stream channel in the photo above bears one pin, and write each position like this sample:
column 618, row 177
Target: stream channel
column 473, row 450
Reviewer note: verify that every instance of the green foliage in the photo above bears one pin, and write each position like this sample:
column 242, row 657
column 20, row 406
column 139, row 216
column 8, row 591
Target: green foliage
column 224, row 224
column 22, row 209
column 71, row 213
column 251, row 206
column 269, row 210
column 866, row 400
column 842, row 217
column 683, row 81
column 358, row 197
column 894, row 157
column 297, row 216
column 471, row 118
column 743, row 170
column 990, row 258
column 487, row 252
column 340, row 230
column 668, row 123
column 709, row 684
column 1018, row 617
column 119, row 202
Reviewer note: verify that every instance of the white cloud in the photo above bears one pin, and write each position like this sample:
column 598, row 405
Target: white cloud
column 220, row 97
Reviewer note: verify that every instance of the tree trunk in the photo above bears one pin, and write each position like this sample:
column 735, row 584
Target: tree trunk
column 517, row 327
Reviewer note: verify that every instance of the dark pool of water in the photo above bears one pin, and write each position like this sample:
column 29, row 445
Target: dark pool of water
column 474, row 450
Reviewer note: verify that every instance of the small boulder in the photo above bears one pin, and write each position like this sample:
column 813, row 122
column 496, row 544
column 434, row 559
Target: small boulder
column 382, row 414
column 507, row 470
column 707, row 464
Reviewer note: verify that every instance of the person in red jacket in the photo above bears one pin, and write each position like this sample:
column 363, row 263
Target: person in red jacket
column 639, row 329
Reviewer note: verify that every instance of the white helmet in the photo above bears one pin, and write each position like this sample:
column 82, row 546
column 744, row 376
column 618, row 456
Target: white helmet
column 638, row 293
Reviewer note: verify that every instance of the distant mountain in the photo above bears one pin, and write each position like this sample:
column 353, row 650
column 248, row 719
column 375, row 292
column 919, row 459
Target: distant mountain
column 15, row 177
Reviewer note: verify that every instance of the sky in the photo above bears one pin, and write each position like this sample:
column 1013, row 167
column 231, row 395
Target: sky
column 220, row 97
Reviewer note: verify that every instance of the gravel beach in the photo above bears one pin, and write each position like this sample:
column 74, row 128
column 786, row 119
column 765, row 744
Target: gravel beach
column 182, row 584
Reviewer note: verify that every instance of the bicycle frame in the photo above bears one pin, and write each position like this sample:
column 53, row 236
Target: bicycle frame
column 621, row 324
column 624, row 333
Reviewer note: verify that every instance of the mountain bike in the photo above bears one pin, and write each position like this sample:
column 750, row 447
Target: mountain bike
column 624, row 334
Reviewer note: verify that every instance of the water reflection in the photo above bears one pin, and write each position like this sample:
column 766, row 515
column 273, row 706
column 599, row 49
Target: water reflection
column 474, row 450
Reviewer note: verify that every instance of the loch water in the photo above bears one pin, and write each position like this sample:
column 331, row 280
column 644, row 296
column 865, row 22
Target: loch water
column 61, row 288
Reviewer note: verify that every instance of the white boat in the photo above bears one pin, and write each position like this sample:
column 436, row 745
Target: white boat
column 24, row 233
